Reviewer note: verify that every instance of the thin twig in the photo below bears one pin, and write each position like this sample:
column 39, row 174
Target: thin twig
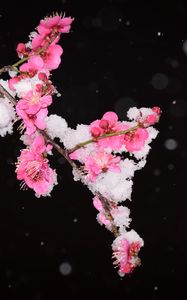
column 107, row 207
column 6, row 69
column 104, row 136
column 24, row 59
column 6, row 94
column 65, row 154
column 59, row 149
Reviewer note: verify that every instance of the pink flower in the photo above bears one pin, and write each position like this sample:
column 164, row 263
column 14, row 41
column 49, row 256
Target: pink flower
column 108, row 124
column 42, row 40
column 48, row 87
column 32, row 101
column 100, row 162
column 102, row 219
column 33, row 169
column 152, row 118
column 39, row 41
column 111, row 118
column 52, row 57
column 114, row 142
column 22, row 50
column 32, row 121
column 39, row 146
column 135, row 140
column 105, row 125
column 56, row 24
column 97, row 203
column 34, row 64
column 125, row 255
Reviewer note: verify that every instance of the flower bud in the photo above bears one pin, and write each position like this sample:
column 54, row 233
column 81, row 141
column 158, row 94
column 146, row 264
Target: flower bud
column 104, row 124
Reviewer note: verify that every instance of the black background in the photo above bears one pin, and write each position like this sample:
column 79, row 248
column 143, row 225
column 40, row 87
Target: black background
column 112, row 60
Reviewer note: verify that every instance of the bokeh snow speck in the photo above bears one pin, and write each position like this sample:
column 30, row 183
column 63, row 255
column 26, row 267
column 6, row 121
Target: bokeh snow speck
column 159, row 81
column 65, row 269
column 178, row 109
column 171, row 144
column 184, row 46
column 156, row 172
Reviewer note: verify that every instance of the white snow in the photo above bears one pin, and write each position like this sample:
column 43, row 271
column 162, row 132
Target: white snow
column 25, row 85
column 121, row 216
column 56, row 126
column 73, row 137
column 7, row 117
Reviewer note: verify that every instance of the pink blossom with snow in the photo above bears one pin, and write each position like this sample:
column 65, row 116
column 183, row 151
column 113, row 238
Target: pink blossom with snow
column 108, row 124
column 125, row 252
column 99, row 162
column 33, row 168
column 135, row 140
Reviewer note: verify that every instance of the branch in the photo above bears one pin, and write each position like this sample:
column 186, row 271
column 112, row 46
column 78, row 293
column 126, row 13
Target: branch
column 6, row 94
column 104, row 136
column 58, row 148
column 24, row 59
column 106, row 205
column 6, row 69
column 65, row 154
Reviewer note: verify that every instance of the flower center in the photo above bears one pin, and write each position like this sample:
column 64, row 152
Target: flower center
column 35, row 99
column 33, row 170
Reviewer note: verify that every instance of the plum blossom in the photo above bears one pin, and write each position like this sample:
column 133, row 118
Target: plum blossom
column 97, row 203
column 40, row 41
column 105, row 125
column 50, row 29
column 145, row 116
column 108, row 124
column 35, row 63
column 22, row 50
column 56, row 23
column 99, row 162
column 33, row 101
column 101, row 218
column 135, row 140
column 33, row 168
column 32, row 121
column 52, row 57
column 125, row 252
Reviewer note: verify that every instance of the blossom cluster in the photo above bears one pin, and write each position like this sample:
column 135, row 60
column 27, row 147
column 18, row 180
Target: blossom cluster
column 104, row 154
column 31, row 84
column 108, row 172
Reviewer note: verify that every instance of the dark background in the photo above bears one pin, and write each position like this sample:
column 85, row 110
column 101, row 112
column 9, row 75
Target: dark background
column 119, row 54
